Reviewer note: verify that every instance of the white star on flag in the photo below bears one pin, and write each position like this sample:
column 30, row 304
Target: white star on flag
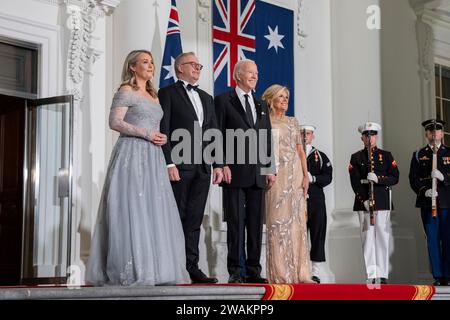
column 171, row 70
column 274, row 38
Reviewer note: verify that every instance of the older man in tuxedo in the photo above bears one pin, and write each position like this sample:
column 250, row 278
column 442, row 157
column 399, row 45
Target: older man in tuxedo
column 188, row 107
column 244, row 180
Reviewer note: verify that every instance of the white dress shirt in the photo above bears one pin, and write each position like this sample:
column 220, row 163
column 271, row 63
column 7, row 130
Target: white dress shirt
column 240, row 93
column 196, row 102
column 198, row 107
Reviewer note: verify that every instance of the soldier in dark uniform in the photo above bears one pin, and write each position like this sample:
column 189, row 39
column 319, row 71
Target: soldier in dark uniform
column 421, row 174
column 320, row 172
column 381, row 169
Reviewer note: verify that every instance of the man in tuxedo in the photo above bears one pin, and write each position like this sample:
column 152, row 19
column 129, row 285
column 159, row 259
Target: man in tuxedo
column 245, row 177
column 188, row 107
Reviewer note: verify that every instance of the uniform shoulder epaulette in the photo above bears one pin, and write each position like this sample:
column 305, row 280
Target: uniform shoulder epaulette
column 425, row 148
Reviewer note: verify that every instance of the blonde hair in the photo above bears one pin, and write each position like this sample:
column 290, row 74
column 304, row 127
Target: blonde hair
column 272, row 91
column 128, row 75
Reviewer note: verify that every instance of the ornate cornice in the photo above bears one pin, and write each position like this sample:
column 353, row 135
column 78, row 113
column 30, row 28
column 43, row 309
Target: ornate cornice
column 104, row 6
column 80, row 23
column 204, row 10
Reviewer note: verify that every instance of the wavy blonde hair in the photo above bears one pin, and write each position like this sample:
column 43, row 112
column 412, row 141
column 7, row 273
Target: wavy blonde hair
column 271, row 92
column 128, row 75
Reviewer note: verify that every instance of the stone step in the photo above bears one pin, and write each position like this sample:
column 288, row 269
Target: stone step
column 151, row 293
column 442, row 293
column 137, row 293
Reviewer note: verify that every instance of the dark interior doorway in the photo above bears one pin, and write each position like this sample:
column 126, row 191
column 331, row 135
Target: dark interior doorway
column 12, row 141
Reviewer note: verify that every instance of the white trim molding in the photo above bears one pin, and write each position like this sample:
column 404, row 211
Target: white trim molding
column 103, row 6
column 424, row 34
column 300, row 28
column 433, row 34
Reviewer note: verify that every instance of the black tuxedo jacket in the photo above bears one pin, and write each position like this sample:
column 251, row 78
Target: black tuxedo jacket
column 231, row 115
column 179, row 113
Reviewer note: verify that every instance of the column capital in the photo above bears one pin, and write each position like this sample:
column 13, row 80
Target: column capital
column 419, row 6
column 103, row 6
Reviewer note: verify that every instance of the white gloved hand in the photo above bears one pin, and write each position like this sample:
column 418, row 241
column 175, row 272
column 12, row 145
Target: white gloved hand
column 372, row 177
column 437, row 174
column 366, row 205
column 429, row 193
column 311, row 178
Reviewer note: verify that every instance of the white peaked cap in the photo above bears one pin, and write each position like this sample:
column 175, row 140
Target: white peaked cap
column 308, row 127
column 369, row 126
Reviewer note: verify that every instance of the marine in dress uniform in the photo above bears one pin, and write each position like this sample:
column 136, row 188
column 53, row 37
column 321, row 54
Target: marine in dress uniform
column 320, row 172
column 437, row 228
column 382, row 170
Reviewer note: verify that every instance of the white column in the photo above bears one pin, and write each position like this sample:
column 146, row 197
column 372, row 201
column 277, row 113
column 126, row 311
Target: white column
column 87, row 79
column 408, row 93
column 356, row 80
column 313, row 80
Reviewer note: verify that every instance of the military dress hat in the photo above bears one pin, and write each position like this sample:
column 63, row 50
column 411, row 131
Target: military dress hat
column 308, row 127
column 430, row 124
column 370, row 128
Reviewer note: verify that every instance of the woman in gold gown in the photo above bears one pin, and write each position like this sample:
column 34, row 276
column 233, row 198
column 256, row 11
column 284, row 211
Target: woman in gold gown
column 287, row 243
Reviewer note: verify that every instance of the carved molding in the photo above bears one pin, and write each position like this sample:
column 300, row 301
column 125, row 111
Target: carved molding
column 204, row 12
column 81, row 23
column 300, row 32
column 425, row 45
column 204, row 3
column 103, row 6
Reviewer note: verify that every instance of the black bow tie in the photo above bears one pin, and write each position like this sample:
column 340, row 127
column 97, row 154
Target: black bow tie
column 191, row 87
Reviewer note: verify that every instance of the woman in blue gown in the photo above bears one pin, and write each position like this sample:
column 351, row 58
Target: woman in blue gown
column 138, row 237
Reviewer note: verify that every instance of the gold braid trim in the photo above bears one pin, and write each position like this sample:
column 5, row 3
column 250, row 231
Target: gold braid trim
column 281, row 292
column 423, row 293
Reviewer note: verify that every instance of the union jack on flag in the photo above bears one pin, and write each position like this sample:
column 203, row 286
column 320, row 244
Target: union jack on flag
column 256, row 30
column 172, row 48
column 233, row 34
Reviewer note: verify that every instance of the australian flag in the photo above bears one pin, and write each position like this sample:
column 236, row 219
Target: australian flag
column 172, row 48
column 256, row 30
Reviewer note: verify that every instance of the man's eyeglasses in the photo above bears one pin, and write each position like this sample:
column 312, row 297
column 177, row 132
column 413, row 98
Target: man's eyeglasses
column 194, row 65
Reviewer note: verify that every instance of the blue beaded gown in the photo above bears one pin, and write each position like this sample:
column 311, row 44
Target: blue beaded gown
column 138, row 237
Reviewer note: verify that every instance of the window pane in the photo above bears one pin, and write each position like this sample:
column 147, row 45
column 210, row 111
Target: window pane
column 438, row 86
column 446, row 83
column 446, row 115
column 438, row 108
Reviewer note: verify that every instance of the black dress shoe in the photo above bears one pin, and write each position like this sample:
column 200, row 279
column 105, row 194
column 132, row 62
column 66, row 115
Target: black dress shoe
column 200, row 277
column 255, row 279
column 440, row 282
column 315, row 279
column 383, row 281
column 235, row 278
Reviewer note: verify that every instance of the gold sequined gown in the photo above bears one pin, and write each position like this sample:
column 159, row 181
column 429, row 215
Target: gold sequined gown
column 287, row 243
